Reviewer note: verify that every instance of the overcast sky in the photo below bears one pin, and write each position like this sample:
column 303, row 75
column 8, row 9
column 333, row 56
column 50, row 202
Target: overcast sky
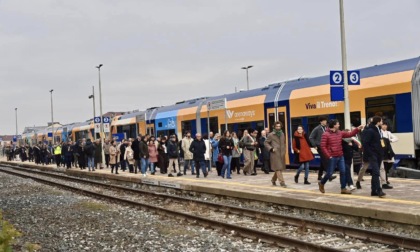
column 162, row 51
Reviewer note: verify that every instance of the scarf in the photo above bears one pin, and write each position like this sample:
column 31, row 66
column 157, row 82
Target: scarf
column 278, row 133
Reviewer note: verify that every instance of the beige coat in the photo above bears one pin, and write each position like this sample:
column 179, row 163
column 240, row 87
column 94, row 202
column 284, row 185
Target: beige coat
column 186, row 143
column 129, row 153
column 277, row 147
column 112, row 155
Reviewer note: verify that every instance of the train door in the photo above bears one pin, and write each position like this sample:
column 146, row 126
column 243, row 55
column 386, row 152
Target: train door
column 150, row 129
column 281, row 116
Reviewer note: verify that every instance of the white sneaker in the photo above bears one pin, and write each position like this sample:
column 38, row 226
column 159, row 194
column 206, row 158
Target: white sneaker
column 352, row 188
column 144, row 175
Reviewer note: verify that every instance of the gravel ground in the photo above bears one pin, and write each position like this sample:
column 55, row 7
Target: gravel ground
column 58, row 220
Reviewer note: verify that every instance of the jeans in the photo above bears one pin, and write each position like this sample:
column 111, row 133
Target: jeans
column 208, row 165
column 301, row 167
column 91, row 163
column 333, row 162
column 201, row 165
column 374, row 164
column 152, row 167
column 189, row 163
column 349, row 181
column 226, row 166
column 144, row 165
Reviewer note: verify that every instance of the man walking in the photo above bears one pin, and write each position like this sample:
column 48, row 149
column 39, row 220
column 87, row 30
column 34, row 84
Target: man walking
column 276, row 144
column 331, row 147
column 315, row 139
column 373, row 152
column 198, row 149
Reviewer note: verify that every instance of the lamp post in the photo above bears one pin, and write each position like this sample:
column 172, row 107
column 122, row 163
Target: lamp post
column 92, row 96
column 16, row 123
column 100, row 111
column 247, row 78
column 52, row 117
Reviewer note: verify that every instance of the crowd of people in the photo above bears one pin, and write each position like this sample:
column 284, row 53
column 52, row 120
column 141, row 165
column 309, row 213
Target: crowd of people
column 362, row 147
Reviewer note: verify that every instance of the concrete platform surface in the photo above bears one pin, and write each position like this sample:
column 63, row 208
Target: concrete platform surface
column 402, row 204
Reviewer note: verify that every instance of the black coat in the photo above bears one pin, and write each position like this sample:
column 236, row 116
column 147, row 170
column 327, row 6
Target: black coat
column 143, row 150
column 198, row 149
column 89, row 149
column 371, row 140
column 136, row 148
column 348, row 151
column 173, row 149
column 226, row 145
column 265, row 153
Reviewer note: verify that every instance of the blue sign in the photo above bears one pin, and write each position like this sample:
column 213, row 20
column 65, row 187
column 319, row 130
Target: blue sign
column 14, row 138
column 107, row 119
column 336, row 78
column 353, row 77
column 1, row 139
column 49, row 134
column 337, row 93
column 118, row 137
column 97, row 119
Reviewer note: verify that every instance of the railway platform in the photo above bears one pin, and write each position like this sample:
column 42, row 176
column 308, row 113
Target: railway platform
column 401, row 205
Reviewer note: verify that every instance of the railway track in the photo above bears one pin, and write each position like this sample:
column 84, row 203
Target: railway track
column 281, row 230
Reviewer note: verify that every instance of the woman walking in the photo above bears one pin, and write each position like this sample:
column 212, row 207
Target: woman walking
column 303, row 153
column 236, row 154
column 226, row 146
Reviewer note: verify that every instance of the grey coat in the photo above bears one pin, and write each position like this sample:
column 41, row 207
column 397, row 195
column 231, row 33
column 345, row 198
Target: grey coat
column 315, row 136
column 277, row 147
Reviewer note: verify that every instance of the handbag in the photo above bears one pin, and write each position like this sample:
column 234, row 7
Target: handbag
column 220, row 158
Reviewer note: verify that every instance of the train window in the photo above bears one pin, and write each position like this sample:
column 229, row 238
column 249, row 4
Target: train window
column 271, row 120
column 313, row 121
column 383, row 106
column 295, row 123
column 282, row 119
column 214, row 124
column 186, row 126
column 354, row 119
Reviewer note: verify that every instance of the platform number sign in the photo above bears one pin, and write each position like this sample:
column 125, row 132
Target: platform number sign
column 106, row 119
column 353, row 77
column 97, row 119
column 336, row 78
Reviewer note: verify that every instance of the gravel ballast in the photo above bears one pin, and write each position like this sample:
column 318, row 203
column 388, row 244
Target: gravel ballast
column 59, row 220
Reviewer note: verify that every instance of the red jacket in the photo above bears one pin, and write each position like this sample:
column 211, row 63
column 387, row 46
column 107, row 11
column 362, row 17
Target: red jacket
column 331, row 142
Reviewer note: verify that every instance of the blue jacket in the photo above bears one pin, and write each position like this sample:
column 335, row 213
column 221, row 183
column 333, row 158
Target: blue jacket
column 215, row 145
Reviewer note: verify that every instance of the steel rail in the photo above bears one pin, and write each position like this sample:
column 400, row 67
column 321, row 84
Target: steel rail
column 367, row 235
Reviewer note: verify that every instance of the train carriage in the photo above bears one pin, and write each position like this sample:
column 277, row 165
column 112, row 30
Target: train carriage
column 385, row 90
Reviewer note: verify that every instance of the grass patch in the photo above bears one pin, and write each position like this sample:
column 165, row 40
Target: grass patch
column 8, row 234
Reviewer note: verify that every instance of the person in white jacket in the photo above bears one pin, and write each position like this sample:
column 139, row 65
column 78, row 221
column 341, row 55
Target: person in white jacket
column 388, row 163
